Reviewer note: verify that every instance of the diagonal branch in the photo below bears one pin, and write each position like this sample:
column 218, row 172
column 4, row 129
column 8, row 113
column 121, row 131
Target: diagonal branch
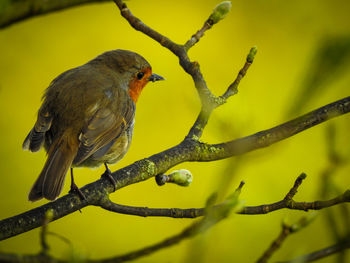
column 322, row 253
column 188, row 150
column 267, row 137
column 137, row 24
column 12, row 11
column 286, row 231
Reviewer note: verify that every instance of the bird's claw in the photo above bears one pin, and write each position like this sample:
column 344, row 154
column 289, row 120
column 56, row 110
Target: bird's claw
column 108, row 175
column 74, row 189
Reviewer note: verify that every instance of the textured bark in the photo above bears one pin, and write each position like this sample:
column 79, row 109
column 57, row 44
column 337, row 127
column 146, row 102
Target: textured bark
column 188, row 150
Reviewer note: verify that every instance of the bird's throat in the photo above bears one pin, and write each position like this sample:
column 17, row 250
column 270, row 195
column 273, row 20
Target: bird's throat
column 135, row 90
column 136, row 85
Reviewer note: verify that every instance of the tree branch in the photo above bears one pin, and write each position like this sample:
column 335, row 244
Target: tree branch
column 192, row 68
column 188, row 150
column 213, row 216
column 12, row 11
column 191, row 149
column 287, row 229
column 287, row 202
column 219, row 12
column 266, row 138
column 322, row 253
column 197, row 129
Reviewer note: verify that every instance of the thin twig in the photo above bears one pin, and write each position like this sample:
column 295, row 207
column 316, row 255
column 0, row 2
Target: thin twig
column 275, row 245
column 292, row 192
column 287, row 229
column 208, row 100
column 137, row 24
column 198, row 35
column 233, row 88
column 322, row 253
column 305, row 206
column 287, row 202
column 197, row 129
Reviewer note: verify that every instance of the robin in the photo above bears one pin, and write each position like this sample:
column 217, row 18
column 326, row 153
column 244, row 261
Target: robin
column 87, row 118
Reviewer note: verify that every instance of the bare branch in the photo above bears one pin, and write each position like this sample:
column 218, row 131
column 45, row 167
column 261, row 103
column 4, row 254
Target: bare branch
column 213, row 216
column 233, row 88
column 219, row 12
column 266, row 138
column 275, row 245
column 325, row 252
column 197, row 129
column 188, row 150
column 291, row 204
column 198, row 35
column 191, row 68
column 145, row 211
column 287, row 202
column 140, row 26
column 292, row 192
column 13, row 11
column 208, row 100
column 287, row 229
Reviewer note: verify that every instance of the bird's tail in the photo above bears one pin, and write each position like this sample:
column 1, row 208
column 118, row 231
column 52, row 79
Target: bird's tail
column 51, row 179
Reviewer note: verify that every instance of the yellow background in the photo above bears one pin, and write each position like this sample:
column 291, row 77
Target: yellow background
column 287, row 34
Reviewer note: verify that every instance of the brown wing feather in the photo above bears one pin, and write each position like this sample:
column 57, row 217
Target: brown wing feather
column 36, row 136
column 51, row 179
column 106, row 125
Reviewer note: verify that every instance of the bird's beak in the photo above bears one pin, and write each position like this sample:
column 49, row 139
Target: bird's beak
column 155, row 77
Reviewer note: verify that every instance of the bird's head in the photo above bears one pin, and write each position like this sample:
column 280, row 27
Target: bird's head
column 134, row 72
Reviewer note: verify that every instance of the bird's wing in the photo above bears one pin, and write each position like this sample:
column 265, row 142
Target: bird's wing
column 105, row 127
column 36, row 136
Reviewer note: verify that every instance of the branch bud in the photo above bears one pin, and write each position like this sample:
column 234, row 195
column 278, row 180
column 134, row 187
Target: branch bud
column 252, row 54
column 181, row 177
column 219, row 12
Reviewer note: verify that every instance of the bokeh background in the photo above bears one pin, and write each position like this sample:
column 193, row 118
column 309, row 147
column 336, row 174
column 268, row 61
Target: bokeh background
column 302, row 63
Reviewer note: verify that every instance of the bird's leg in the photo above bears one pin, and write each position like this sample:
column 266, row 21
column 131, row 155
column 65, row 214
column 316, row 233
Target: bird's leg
column 109, row 176
column 74, row 188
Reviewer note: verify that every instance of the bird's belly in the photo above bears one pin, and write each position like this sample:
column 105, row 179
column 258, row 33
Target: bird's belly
column 112, row 155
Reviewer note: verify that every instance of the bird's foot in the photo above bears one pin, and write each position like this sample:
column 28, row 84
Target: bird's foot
column 108, row 175
column 74, row 189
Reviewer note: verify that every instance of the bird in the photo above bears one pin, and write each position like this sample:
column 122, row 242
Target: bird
column 86, row 118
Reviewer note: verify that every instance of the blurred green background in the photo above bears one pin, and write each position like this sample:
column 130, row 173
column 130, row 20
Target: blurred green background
column 302, row 63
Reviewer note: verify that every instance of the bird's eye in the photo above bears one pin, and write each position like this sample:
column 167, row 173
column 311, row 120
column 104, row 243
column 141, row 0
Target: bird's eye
column 140, row 75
